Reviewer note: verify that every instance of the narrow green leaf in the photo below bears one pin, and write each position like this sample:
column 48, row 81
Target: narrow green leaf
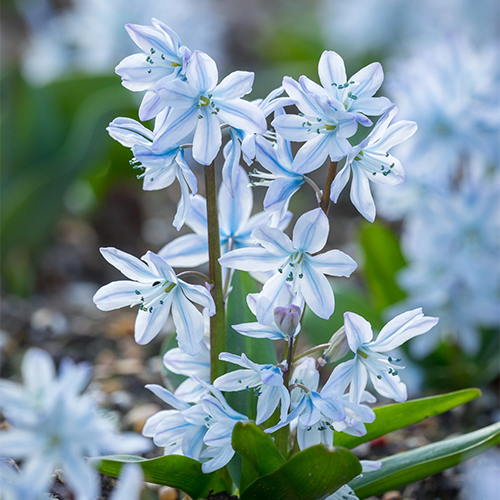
column 311, row 474
column 399, row 415
column 383, row 259
column 260, row 455
column 176, row 471
column 413, row 465
column 258, row 350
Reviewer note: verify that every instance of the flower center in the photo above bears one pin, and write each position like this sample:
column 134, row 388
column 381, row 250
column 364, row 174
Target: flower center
column 154, row 296
column 162, row 60
column 206, row 102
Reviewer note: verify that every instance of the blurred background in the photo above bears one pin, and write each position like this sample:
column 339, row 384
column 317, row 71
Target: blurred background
column 67, row 188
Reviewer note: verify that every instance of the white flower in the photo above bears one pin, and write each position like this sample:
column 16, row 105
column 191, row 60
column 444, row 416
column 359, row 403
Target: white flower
column 235, row 225
column 62, row 427
column 296, row 262
column 370, row 161
column 158, row 292
column 181, row 363
column 266, row 379
column 369, row 358
column 163, row 58
column 199, row 431
column 160, row 169
column 201, row 104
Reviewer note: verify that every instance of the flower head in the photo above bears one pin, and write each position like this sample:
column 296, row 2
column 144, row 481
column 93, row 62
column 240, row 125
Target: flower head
column 60, row 427
column 370, row 358
column 297, row 263
column 370, row 161
column 157, row 291
column 266, row 379
column 201, row 104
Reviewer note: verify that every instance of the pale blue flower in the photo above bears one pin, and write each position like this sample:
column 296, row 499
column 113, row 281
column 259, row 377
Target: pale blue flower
column 157, row 291
column 370, row 360
column 323, row 124
column 23, row 484
column 218, row 436
column 355, row 93
column 197, row 431
column 244, row 142
column 235, row 225
column 200, row 104
column 159, row 169
column 282, row 181
column 63, row 427
column 130, row 483
column 163, row 58
column 179, row 431
column 370, row 161
column 177, row 361
column 316, row 414
column 266, row 379
column 297, row 263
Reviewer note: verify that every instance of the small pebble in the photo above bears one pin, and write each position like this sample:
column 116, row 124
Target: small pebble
column 167, row 493
column 392, row 495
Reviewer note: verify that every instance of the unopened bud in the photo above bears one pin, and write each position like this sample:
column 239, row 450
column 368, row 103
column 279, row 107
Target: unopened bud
column 338, row 348
column 287, row 318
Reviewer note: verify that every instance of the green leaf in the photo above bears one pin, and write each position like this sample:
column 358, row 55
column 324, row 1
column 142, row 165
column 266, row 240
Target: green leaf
column 260, row 455
column 383, row 259
column 399, row 415
column 175, row 471
column 258, row 350
column 309, row 475
column 413, row 465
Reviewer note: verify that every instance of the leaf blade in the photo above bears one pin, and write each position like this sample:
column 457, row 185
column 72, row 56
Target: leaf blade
column 176, row 471
column 309, row 475
column 410, row 466
column 396, row 416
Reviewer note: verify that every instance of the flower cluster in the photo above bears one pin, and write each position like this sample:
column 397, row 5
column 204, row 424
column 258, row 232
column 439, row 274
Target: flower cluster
column 451, row 241
column 192, row 110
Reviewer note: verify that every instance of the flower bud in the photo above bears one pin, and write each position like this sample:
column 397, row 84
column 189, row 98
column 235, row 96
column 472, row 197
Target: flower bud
column 287, row 318
column 338, row 346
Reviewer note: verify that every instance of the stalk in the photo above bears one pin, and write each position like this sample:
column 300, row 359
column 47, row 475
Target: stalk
column 282, row 436
column 325, row 199
column 218, row 320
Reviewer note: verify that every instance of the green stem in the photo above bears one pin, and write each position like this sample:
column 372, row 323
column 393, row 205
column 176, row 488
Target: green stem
column 325, row 200
column 317, row 348
column 282, row 436
column 218, row 320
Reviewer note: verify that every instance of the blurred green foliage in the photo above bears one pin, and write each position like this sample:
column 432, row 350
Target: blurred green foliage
column 54, row 140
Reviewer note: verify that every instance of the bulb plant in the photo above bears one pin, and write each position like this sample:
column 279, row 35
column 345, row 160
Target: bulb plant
column 246, row 422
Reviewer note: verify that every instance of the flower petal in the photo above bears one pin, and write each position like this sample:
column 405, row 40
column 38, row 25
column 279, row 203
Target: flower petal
column 235, row 85
column 179, row 124
column 148, row 324
column 402, row 328
column 358, row 330
column 340, row 182
column 317, row 291
column 311, row 231
column 130, row 132
column 201, row 72
column 129, row 265
column 207, row 138
column 189, row 324
column 334, row 263
column 198, row 294
column 361, row 195
column 331, row 69
column 190, row 250
column 368, row 80
column 242, row 115
column 273, row 240
column 251, row 259
column 117, row 294
column 292, row 127
column 313, row 153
